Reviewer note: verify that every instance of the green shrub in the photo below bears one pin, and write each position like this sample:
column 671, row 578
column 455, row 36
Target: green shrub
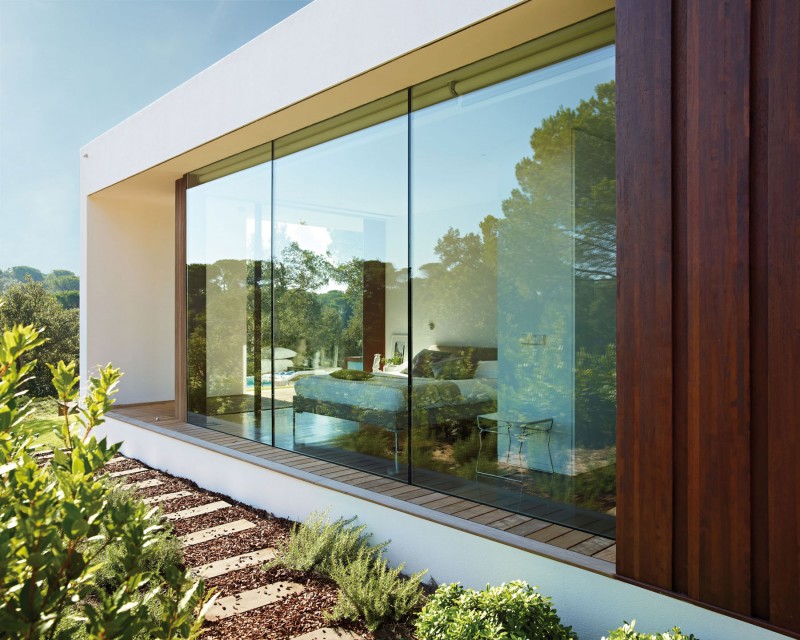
column 627, row 632
column 163, row 553
column 368, row 587
column 513, row 611
column 318, row 544
column 62, row 520
column 371, row 590
column 351, row 374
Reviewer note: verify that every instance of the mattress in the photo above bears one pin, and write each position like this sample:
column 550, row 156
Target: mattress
column 390, row 394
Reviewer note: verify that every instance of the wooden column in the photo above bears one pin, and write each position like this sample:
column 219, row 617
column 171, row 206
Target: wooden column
column 708, row 148
column 180, row 299
column 780, row 45
column 644, row 297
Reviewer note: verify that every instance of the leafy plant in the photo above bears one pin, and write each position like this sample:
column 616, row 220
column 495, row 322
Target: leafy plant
column 373, row 591
column 29, row 303
column 627, row 632
column 512, row 611
column 368, row 587
column 61, row 521
column 318, row 544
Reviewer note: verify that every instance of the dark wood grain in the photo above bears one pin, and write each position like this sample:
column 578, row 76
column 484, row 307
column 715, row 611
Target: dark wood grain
column 717, row 247
column 374, row 312
column 644, row 297
column 759, row 306
column 180, row 299
column 783, row 202
column 680, row 302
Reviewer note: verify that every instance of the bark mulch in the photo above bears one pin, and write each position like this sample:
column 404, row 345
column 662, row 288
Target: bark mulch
column 295, row 615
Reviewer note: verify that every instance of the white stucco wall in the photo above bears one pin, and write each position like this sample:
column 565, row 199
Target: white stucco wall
column 590, row 602
column 127, row 294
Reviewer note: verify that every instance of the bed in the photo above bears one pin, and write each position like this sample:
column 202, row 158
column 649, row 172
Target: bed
column 443, row 394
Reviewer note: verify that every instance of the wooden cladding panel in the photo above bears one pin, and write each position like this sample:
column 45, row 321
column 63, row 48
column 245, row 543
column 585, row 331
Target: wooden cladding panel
column 783, row 355
column 374, row 313
column 180, row 299
column 644, row 296
column 708, row 149
column 717, row 254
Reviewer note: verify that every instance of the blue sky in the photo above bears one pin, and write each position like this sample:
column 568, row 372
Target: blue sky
column 71, row 69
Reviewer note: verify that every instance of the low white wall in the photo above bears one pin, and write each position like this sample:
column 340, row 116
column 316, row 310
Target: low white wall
column 590, row 602
column 128, row 294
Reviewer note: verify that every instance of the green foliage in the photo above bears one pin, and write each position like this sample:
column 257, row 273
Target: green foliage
column 318, row 544
column 22, row 273
column 351, row 374
column 62, row 521
column 369, row 588
column 627, row 632
column 29, row 303
column 373, row 591
column 512, row 611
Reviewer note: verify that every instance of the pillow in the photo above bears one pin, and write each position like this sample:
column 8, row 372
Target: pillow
column 280, row 353
column 421, row 364
column 453, row 369
column 350, row 374
column 486, row 369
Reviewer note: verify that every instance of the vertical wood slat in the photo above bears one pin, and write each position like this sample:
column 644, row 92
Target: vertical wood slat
column 717, row 243
column 759, row 303
column 180, row 299
column 680, row 301
column 644, row 296
column 783, row 202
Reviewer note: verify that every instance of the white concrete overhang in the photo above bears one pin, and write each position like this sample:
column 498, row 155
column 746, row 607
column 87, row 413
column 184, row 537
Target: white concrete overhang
column 329, row 57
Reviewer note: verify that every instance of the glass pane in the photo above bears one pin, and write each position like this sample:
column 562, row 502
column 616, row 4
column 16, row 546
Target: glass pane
column 228, row 299
column 513, row 294
column 340, row 292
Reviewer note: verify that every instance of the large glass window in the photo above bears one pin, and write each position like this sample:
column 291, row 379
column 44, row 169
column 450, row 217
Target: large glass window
column 427, row 293
column 229, row 318
column 513, row 293
column 340, row 250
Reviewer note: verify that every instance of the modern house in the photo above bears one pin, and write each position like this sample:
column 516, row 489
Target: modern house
column 517, row 283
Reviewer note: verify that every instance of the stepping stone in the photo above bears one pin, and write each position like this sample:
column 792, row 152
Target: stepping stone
column 221, row 567
column 146, row 484
column 129, row 472
column 204, row 535
column 328, row 633
column 167, row 496
column 197, row 511
column 252, row 599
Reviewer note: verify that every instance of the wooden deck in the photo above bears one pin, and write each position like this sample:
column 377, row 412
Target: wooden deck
column 571, row 545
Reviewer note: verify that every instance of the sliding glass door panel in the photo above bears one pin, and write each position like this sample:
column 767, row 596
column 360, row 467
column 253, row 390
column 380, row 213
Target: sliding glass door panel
column 513, row 292
column 229, row 304
column 340, row 249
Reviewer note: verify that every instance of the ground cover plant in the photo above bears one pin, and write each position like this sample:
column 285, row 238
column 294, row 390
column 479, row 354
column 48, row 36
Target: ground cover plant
column 627, row 632
column 62, row 521
column 512, row 611
column 369, row 589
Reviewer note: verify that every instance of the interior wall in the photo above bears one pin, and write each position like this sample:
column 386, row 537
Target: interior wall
column 128, row 294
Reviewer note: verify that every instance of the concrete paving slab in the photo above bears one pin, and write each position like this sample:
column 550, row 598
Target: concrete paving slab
column 127, row 472
column 212, row 533
column 168, row 496
column 221, row 567
column 146, row 484
column 197, row 511
column 252, row 599
column 328, row 633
